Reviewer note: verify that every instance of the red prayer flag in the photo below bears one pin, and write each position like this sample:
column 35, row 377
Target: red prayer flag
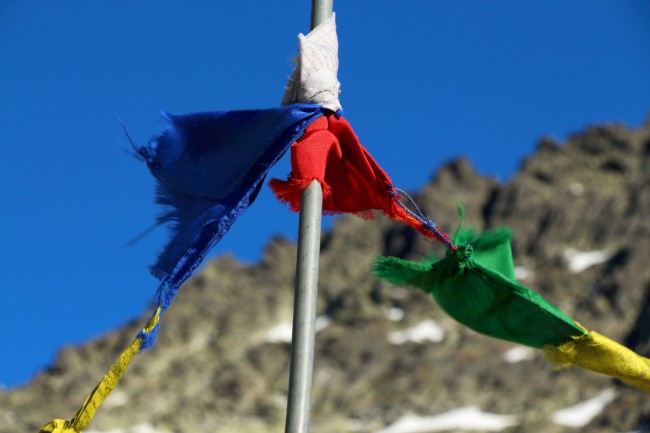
column 352, row 181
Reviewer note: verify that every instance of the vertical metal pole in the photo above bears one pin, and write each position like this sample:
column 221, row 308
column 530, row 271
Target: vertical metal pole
column 306, row 291
column 320, row 11
column 304, row 311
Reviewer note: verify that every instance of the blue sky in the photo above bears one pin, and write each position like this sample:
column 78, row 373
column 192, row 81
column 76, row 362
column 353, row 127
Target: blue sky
column 422, row 82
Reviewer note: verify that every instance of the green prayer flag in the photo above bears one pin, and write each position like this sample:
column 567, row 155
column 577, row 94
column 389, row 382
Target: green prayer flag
column 476, row 286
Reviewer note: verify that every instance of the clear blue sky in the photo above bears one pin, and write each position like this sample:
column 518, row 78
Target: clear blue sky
column 422, row 82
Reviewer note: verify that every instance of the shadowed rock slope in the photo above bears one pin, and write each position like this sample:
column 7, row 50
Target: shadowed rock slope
column 220, row 364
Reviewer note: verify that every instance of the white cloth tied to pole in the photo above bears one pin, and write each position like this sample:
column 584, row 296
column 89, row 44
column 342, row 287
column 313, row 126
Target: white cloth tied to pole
column 314, row 80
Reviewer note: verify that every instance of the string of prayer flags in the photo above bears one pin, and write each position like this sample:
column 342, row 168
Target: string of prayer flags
column 210, row 168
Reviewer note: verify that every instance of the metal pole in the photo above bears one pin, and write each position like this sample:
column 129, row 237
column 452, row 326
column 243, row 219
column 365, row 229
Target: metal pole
column 304, row 311
column 320, row 11
column 306, row 291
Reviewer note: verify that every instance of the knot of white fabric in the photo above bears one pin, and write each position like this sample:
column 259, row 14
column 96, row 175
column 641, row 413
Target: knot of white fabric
column 314, row 80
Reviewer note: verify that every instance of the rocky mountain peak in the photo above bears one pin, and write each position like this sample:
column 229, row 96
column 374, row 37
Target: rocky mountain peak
column 579, row 213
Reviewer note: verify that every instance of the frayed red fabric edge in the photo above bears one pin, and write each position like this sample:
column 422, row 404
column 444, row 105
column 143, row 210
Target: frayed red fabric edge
column 366, row 215
column 290, row 191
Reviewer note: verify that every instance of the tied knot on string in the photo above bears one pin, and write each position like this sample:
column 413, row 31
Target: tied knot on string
column 149, row 333
column 462, row 256
column 417, row 214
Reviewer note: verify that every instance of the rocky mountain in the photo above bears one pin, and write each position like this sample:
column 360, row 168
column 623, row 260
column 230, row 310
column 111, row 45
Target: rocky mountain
column 388, row 359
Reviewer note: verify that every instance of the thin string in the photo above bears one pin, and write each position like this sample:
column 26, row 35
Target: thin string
column 419, row 215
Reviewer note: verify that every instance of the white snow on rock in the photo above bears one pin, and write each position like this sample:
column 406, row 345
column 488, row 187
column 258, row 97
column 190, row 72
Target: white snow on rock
column 466, row 418
column 427, row 330
column 519, row 354
column 582, row 413
column 578, row 261
column 355, row 424
column 522, row 273
column 576, row 189
column 140, row 428
column 394, row 314
column 323, row 322
column 116, row 398
column 282, row 332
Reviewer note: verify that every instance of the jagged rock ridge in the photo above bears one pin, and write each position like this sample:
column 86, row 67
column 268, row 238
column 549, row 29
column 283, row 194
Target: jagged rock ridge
column 216, row 369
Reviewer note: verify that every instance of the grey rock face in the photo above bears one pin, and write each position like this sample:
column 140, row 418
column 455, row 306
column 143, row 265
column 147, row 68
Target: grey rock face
column 216, row 368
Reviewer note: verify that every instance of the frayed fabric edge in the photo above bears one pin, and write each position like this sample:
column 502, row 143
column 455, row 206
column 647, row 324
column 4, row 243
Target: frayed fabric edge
column 289, row 191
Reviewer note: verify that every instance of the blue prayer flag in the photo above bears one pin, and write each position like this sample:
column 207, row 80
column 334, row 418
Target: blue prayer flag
column 210, row 167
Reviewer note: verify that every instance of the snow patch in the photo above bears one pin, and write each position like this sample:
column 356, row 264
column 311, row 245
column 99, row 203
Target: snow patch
column 519, row 354
column 582, row 413
column 322, row 322
column 355, row 424
column 427, row 330
column 576, row 189
column 578, row 261
column 199, row 341
column 282, row 332
column 522, row 273
column 466, row 418
column 116, row 398
column 394, row 314
column 140, row 428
